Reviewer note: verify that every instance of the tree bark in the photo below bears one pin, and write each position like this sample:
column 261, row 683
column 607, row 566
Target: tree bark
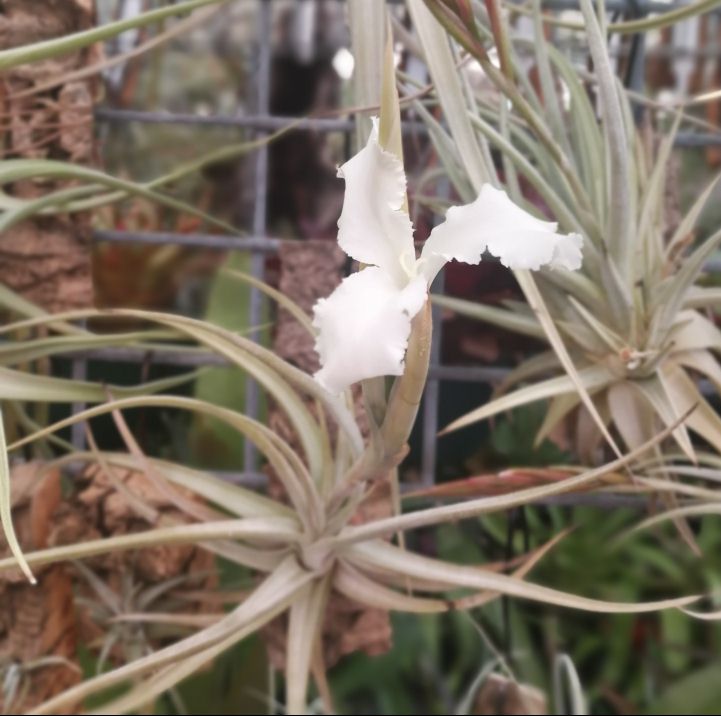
column 47, row 259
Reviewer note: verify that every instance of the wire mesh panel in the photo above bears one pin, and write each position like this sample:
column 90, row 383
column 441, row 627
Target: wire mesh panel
column 258, row 120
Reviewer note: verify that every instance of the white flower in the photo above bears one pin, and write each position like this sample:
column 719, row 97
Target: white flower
column 364, row 325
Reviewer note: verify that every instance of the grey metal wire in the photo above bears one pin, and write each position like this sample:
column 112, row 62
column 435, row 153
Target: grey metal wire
column 200, row 358
column 260, row 208
column 314, row 124
column 219, row 242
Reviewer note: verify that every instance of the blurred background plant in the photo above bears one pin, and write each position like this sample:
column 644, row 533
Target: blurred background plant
column 634, row 322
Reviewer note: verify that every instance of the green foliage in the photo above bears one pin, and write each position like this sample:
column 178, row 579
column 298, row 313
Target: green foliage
column 216, row 445
column 513, row 440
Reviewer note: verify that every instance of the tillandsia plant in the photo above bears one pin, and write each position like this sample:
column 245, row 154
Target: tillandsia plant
column 307, row 548
column 630, row 332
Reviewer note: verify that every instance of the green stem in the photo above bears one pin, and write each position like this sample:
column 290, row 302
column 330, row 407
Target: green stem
column 408, row 390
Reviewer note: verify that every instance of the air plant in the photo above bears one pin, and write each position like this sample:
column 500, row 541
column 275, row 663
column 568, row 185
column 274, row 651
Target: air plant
column 304, row 549
column 629, row 332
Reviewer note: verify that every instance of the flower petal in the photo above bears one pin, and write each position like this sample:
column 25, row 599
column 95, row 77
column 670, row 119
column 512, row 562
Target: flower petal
column 373, row 227
column 363, row 327
column 494, row 222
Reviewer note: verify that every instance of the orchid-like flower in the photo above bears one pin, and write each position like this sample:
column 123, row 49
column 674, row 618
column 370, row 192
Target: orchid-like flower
column 364, row 325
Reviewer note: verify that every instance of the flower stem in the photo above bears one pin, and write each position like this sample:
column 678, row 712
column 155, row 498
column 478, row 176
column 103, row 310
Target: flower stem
column 407, row 392
column 385, row 454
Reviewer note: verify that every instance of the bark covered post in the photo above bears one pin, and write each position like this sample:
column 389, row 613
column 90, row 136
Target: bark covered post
column 47, row 259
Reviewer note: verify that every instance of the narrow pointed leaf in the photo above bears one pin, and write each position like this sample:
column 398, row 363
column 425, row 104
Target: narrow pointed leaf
column 69, row 43
column 305, row 627
column 381, row 553
column 592, row 378
column 5, row 508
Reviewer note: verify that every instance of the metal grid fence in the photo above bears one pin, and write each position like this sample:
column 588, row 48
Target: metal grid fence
column 260, row 244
